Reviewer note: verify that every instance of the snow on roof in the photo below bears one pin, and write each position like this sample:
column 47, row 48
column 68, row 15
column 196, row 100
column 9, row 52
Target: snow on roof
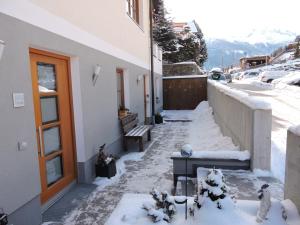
column 216, row 69
column 253, row 102
column 184, row 76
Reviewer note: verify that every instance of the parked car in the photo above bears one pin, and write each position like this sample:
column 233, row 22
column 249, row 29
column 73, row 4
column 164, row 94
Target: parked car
column 236, row 75
column 293, row 78
column 269, row 76
column 248, row 74
column 217, row 74
column 228, row 77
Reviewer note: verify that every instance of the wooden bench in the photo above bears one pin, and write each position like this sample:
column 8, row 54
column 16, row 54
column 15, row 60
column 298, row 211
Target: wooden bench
column 131, row 130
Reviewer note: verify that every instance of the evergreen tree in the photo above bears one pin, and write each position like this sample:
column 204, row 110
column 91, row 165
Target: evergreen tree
column 214, row 189
column 202, row 45
column 163, row 32
column 188, row 47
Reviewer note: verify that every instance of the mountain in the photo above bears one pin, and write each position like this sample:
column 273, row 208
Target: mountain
column 226, row 52
column 268, row 36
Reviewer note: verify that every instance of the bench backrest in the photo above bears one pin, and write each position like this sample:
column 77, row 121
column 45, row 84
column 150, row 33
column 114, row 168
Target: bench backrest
column 129, row 122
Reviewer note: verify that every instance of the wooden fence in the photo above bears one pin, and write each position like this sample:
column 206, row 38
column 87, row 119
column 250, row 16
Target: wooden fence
column 184, row 92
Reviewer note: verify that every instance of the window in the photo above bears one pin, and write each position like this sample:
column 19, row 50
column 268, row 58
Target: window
column 120, row 90
column 132, row 9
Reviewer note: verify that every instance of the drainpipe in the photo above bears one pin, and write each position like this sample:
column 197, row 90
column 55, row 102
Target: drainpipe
column 151, row 62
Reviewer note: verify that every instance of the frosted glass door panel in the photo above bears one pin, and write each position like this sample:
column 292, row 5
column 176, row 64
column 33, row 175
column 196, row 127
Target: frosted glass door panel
column 49, row 109
column 54, row 170
column 47, row 77
column 52, row 140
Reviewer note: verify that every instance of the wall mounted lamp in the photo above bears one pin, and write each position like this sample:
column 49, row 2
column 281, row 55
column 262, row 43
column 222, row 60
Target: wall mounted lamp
column 96, row 74
column 139, row 78
column 2, row 45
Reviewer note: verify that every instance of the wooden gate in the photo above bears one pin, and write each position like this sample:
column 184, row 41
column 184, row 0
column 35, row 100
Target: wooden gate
column 184, row 92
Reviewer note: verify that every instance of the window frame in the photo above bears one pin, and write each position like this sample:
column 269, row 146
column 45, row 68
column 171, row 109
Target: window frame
column 133, row 10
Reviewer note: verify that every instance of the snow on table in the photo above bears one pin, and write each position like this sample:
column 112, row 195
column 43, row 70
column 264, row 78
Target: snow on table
column 129, row 212
column 220, row 154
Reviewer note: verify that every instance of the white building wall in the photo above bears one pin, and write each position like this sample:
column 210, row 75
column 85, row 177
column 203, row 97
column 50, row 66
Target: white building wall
column 107, row 20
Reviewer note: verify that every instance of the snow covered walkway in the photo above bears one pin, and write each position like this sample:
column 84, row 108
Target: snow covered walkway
column 140, row 172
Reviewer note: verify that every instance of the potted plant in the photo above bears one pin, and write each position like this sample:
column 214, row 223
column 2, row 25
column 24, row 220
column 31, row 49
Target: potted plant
column 158, row 118
column 105, row 165
column 123, row 111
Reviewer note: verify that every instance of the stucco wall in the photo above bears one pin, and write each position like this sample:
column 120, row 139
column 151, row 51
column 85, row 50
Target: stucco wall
column 19, row 170
column 292, row 171
column 249, row 127
column 108, row 20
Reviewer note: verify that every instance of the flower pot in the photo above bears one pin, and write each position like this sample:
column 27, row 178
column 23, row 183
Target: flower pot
column 158, row 119
column 109, row 170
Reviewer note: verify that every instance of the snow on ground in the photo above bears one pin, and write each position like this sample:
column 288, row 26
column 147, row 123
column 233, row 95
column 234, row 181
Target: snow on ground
column 291, row 212
column 177, row 115
column 241, row 181
column 129, row 212
column 102, row 182
column 151, row 168
column 140, row 172
column 204, row 135
column 285, row 102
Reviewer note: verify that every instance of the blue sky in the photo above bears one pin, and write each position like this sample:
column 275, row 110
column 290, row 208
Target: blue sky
column 232, row 18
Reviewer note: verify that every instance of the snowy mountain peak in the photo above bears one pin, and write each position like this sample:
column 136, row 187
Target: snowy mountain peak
column 262, row 36
column 269, row 36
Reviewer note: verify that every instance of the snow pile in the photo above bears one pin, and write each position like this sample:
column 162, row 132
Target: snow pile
column 177, row 115
column 278, row 153
column 290, row 212
column 253, row 102
column 262, row 173
column 129, row 212
column 295, row 130
column 206, row 138
column 102, row 182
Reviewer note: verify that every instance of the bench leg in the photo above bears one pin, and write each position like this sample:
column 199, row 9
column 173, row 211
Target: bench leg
column 175, row 179
column 141, row 144
column 149, row 135
column 125, row 144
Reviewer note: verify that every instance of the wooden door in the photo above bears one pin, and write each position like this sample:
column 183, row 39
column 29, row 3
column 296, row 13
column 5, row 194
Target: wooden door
column 120, row 90
column 145, row 97
column 53, row 119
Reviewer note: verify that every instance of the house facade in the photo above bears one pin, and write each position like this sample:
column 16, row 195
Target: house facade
column 67, row 72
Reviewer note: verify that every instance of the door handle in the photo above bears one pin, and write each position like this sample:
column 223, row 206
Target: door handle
column 41, row 142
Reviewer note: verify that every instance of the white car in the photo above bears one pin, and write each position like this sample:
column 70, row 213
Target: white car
column 269, row 76
column 293, row 78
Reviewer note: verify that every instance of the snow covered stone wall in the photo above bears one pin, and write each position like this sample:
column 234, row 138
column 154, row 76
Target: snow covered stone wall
column 292, row 171
column 247, row 120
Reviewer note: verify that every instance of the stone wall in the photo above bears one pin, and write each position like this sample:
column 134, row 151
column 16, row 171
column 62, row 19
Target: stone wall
column 292, row 171
column 247, row 121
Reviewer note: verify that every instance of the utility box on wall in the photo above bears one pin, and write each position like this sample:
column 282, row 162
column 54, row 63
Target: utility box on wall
column 184, row 92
